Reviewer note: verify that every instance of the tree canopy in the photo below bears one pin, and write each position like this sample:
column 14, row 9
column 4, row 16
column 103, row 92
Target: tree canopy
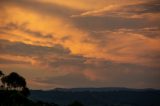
column 14, row 81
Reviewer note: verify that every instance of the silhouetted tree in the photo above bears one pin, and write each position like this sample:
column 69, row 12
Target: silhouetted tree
column 15, row 91
column 4, row 81
column 14, row 80
column 1, row 73
column 1, row 76
column 25, row 91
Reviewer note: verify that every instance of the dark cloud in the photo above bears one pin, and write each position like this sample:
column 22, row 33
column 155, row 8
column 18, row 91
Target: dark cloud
column 151, row 6
column 8, row 61
column 129, row 16
column 93, row 23
column 41, row 7
column 152, row 32
column 77, row 61
column 69, row 80
column 112, row 74
column 55, row 56
column 17, row 48
column 101, row 37
column 23, row 27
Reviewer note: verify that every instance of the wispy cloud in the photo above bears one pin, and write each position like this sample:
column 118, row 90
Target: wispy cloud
column 99, row 12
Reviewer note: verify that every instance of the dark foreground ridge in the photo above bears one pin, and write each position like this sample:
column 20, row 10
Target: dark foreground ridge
column 111, row 96
column 15, row 98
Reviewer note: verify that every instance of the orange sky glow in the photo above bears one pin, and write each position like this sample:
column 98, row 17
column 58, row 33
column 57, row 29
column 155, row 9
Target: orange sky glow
column 81, row 43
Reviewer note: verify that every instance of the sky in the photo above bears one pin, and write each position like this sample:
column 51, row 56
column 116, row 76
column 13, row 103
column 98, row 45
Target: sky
column 81, row 43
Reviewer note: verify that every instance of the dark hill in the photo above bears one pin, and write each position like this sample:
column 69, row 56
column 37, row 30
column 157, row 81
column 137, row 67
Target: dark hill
column 100, row 96
column 15, row 98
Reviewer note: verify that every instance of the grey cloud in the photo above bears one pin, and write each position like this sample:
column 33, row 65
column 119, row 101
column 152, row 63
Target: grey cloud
column 150, row 32
column 71, row 80
column 102, row 36
column 22, row 27
column 41, row 7
column 55, row 56
column 128, row 74
column 119, row 18
column 7, row 61
column 113, row 74
column 151, row 6
column 93, row 23
column 17, row 48
column 69, row 60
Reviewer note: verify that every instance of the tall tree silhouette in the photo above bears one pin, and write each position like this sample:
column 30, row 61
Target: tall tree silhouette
column 15, row 81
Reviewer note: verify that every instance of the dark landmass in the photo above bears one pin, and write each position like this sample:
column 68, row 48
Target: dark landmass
column 99, row 96
column 14, row 92
column 15, row 98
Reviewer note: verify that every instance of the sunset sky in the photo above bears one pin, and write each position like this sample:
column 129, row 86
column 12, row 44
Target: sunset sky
column 81, row 43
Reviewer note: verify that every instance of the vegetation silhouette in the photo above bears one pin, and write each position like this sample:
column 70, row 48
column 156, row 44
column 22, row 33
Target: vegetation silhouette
column 14, row 91
column 14, row 81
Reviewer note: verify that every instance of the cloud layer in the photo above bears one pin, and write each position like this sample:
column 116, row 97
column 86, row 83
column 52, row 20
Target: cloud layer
column 78, row 44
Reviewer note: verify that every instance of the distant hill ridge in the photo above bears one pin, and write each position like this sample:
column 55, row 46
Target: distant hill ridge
column 102, row 89
column 106, row 96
